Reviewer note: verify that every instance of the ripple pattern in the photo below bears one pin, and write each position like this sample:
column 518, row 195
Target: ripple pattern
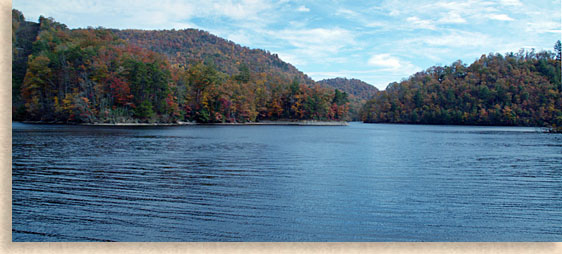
column 359, row 182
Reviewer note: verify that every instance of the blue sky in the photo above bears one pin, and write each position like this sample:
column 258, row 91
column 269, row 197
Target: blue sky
column 376, row 41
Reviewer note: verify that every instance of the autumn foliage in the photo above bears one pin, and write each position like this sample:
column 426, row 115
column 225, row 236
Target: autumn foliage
column 516, row 89
column 358, row 91
column 93, row 75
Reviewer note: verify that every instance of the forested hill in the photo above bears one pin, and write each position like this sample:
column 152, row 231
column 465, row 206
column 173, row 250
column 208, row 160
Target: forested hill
column 188, row 46
column 516, row 89
column 357, row 91
column 94, row 76
column 354, row 87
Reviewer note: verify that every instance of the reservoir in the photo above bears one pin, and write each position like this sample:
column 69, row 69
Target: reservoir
column 361, row 182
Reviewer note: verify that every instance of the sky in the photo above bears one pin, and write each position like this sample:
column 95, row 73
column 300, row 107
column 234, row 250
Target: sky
column 378, row 42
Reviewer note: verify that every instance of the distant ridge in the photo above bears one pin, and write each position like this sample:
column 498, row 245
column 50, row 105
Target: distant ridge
column 359, row 89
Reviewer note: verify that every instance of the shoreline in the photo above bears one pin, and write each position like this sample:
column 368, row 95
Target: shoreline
column 460, row 124
column 285, row 123
column 293, row 123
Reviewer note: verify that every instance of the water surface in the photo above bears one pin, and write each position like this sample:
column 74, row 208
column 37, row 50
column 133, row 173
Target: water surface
column 362, row 182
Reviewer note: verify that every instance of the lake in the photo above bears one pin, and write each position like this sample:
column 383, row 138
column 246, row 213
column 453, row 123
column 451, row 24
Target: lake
column 362, row 182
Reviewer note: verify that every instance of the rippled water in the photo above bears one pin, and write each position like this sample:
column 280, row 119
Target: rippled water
column 359, row 182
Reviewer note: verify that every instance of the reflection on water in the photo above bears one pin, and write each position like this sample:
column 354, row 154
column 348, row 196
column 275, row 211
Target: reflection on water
column 286, row 183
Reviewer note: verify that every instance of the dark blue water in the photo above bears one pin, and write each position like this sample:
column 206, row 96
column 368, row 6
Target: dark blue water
column 286, row 183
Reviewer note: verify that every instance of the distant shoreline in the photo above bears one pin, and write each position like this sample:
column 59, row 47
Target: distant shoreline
column 297, row 123
column 292, row 123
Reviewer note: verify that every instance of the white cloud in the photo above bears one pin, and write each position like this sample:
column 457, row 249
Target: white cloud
column 313, row 45
column 511, row 2
column 245, row 9
column 429, row 15
column 385, row 61
column 376, row 24
column 394, row 65
column 394, row 13
column 468, row 8
column 542, row 26
column 452, row 17
column 501, row 17
column 435, row 54
column 335, row 37
column 298, row 24
column 416, row 22
column 346, row 12
column 454, row 39
column 303, row 8
column 322, row 40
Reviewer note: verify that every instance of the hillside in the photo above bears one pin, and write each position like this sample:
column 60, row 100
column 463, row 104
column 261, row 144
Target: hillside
column 357, row 88
column 23, row 36
column 189, row 46
column 522, row 89
column 356, row 91
column 94, row 76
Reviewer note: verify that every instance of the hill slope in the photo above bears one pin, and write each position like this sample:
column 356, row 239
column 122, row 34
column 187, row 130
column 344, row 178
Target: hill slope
column 189, row 46
column 516, row 89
